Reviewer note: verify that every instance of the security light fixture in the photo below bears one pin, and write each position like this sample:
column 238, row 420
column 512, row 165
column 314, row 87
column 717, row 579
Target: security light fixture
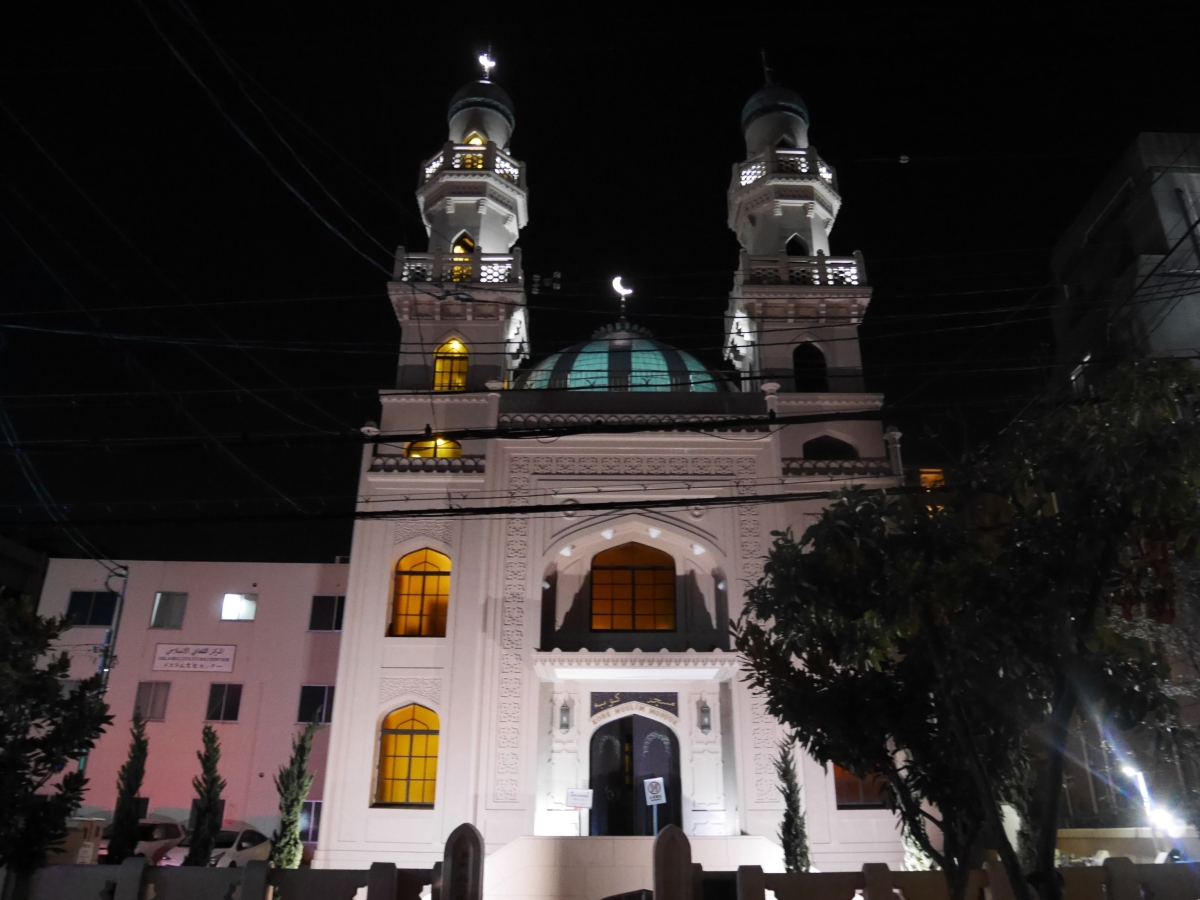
column 564, row 718
column 567, row 550
column 607, row 534
column 698, row 549
column 654, row 532
column 705, row 717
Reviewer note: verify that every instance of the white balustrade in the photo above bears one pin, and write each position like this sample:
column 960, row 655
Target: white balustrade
column 481, row 268
column 818, row 271
column 784, row 161
column 474, row 156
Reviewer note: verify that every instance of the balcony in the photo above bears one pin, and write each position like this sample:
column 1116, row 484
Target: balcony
column 803, row 165
column 460, row 268
column 815, row 271
column 473, row 157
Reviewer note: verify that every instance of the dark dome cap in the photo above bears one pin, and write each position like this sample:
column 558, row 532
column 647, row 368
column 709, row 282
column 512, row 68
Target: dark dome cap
column 772, row 97
column 486, row 94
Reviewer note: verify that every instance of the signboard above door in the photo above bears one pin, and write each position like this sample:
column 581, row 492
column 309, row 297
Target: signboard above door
column 667, row 701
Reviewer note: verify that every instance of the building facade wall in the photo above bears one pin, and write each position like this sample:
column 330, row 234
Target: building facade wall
column 275, row 655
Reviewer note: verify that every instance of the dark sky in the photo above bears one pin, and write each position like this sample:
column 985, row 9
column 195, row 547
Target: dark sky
column 141, row 212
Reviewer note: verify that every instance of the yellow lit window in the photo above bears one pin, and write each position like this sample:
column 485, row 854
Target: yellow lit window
column 422, row 595
column 438, row 448
column 633, row 589
column 408, row 752
column 450, row 366
column 464, row 243
column 475, row 139
column 932, row 478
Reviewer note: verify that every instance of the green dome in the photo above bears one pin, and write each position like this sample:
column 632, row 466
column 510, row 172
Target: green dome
column 623, row 357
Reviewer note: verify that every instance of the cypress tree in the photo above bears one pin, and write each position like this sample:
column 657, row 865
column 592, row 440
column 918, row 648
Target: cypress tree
column 208, row 785
column 792, row 833
column 293, row 783
column 124, row 838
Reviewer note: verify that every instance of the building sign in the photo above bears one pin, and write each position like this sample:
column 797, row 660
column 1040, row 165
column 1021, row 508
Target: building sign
column 579, row 798
column 656, row 791
column 194, row 657
column 665, row 700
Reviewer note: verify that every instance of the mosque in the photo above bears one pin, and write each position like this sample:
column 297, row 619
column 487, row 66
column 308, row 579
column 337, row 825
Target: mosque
column 532, row 629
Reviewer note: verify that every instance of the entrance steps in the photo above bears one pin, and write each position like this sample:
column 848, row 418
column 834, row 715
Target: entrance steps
column 592, row 868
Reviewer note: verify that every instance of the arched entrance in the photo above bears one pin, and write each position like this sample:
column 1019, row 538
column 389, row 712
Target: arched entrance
column 624, row 753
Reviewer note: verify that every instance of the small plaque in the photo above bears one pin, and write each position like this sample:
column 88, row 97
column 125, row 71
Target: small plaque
column 579, row 798
column 667, row 701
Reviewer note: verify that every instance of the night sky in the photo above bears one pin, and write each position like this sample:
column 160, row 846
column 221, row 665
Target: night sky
column 161, row 281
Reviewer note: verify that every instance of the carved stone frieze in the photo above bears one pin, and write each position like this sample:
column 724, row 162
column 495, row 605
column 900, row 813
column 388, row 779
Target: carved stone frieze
column 407, row 529
column 429, row 688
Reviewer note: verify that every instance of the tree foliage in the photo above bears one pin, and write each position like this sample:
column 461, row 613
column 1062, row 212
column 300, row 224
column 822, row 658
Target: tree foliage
column 43, row 727
column 293, row 783
column 944, row 640
column 208, row 786
column 793, row 834
column 124, row 838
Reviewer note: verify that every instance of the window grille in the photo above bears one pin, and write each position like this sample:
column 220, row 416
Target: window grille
column 633, row 589
column 421, row 600
column 408, row 753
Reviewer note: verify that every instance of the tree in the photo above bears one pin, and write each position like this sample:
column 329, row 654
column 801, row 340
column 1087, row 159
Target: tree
column 124, row 838
column 945, row 640
column 293, row 782
column 209, row 807
column 792, row 833
column 43, row 727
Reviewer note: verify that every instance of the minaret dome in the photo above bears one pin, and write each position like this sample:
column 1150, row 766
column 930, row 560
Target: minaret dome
column 483, row 108
column 775, row 115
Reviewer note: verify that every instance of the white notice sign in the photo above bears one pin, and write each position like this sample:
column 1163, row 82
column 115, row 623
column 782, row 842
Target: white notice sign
column 194, row 657
column 656, row 792
column 579, row 798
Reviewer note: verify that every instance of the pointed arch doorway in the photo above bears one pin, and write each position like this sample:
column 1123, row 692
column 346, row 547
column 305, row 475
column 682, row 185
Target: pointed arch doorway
column 624, row 753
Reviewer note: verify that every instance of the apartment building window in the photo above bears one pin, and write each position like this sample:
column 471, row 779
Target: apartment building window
column 92, row 608
column 224, row 701
column 316, row 703
column 310, row 821
column 239, row 607
column 152, row 699
column 168, row 609
column 326, row 613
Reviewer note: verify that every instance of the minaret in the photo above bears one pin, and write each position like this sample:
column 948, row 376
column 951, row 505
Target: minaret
column 461, row 305
column 794, row 311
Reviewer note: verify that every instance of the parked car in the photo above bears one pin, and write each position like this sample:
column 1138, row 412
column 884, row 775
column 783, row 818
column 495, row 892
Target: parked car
column 156, row 838
column 234, row 846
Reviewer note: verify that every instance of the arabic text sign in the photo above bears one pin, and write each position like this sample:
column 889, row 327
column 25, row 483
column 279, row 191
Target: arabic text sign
column 656, row 792
column 194, row 657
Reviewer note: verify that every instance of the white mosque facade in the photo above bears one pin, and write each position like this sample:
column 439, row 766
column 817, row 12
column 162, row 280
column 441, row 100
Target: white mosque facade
column 576, row 636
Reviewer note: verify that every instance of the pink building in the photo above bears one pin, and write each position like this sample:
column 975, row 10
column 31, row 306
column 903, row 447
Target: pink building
column 251, row 648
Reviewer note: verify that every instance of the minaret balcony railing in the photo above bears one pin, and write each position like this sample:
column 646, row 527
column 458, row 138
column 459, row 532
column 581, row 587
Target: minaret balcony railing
column 815, row 271
column 472, row 157
column 462, row 268
column 785, row 161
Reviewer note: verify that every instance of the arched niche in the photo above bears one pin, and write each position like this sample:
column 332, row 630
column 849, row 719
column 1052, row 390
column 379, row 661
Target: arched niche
column 827, row 447
column 810, row 370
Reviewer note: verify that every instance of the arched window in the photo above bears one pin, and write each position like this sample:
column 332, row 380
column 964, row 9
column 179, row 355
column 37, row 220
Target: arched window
column 475, row 139
column 422, row 595
column 438, row 448
column 808, row 364
column 450, row 366
column 830, row 448
column 408, row 754
column 633, row 589
column 796, row 246
column 461, row 268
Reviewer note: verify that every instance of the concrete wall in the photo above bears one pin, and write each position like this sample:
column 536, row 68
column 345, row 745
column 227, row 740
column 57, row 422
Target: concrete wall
column 276, row 654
